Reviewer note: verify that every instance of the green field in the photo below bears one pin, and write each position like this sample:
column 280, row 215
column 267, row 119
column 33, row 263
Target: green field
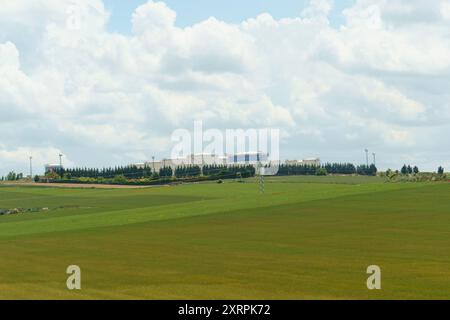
column 305, row 238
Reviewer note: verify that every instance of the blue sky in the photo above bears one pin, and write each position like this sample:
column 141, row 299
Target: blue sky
column 232, row 11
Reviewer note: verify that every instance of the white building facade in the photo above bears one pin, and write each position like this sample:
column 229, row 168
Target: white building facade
column 304, row 162
column 207, row 159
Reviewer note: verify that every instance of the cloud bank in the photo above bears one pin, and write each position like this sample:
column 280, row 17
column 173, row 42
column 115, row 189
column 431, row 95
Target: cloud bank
column 379, row 81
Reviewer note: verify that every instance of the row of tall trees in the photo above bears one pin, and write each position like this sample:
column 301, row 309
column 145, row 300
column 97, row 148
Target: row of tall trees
column 12, row 176
column 408, row 169
column 130, row 172
column 365, row 170
column 166, row 172
column 227, row 172
column 217, row 171
column 297, row 170
column 340, row 168
column 134, row 172
column 188, row 171
column 331, row 168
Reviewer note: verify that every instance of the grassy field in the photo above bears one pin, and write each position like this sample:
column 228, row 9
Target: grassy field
column 305, row 238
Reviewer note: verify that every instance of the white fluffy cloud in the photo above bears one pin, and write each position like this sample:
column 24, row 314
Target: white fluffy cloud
column 380, row 81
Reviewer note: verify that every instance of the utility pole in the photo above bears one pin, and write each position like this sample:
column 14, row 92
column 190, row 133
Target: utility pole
column 374, row 159
column 367, row 157
column 31, row 168
column 262, row 188
column 203, row 164
column 153, row 160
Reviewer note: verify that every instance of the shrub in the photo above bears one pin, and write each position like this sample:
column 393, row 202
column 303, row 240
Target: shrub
column 120, row 179
column 321, row 172
column 52, row 176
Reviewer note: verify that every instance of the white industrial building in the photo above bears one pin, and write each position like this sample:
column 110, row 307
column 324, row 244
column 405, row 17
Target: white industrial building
column 53, row 168
column 245, row 158
column 304, row 162
column 207, row 159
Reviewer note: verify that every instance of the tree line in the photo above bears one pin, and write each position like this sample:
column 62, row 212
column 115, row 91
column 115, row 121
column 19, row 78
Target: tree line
column 145, row 172
column 130, row 172
column 12, row 176
column 408, row 169
column 217, row 171
column 328, row 168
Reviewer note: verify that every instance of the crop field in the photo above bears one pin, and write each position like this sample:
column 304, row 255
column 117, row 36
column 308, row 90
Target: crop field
column 304, row 238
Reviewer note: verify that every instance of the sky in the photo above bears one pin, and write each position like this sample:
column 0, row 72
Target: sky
column 107, row 82
column 231, row 11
